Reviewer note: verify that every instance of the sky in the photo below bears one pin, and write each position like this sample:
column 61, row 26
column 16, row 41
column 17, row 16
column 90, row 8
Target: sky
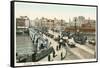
column 33, row 10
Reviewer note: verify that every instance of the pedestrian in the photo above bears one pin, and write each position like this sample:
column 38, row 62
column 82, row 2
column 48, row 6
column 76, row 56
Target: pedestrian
column 53, row 53
column 49, row 58
column 61, row 56
column 34, row 57
column 60, row 43
column 46, row 43
column 16, row 54
column 57, row 47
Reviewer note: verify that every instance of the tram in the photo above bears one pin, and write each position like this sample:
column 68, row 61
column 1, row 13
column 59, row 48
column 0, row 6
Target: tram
column 41, row 45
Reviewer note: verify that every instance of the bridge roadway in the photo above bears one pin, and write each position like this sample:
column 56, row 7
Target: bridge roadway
column 86, row 51
column 79, row 52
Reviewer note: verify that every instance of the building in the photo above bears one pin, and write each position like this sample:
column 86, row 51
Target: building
column 22, row 24
column 81, row 24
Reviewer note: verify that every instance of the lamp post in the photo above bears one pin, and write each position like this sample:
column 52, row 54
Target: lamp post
column 75, row 20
